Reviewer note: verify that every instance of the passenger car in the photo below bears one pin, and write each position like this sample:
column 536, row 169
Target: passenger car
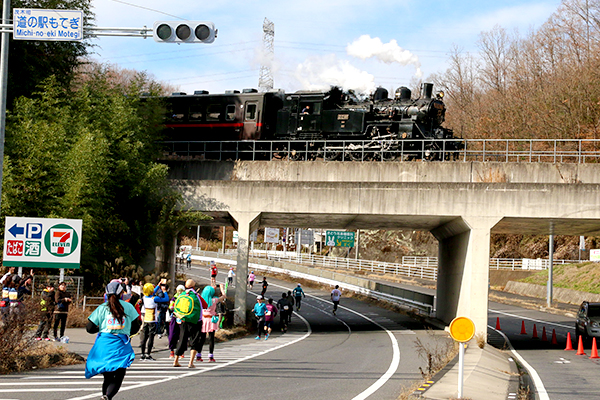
column 588, row 320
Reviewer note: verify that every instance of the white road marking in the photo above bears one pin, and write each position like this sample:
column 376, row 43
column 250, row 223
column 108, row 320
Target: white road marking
column 537, row 381
column 532, row 319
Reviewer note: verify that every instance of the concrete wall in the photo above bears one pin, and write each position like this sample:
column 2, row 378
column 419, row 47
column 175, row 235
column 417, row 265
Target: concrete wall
column 314, row 171
column 558, row 294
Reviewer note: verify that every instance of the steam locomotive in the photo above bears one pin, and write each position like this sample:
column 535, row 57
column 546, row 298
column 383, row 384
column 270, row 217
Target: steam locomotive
column 332, row 125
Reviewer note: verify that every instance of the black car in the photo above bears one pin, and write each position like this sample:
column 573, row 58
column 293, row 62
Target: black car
column 588, row 320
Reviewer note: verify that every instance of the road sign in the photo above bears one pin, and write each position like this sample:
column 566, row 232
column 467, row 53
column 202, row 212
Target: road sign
column 235, row 237
column 462, row 329
column 271, row 235
column 305, row 236
column 42, row 242
column 339, row 239
column 38, row 24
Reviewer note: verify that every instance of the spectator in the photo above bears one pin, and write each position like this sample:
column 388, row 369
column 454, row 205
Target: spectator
column 24, row 288
column 260, row 309
column 284, row 309
column 190, row 313
column 7, row 287
column 270, row 316
column 111, row 355
column 11, row 271
column 47, row 304
column 61, row 310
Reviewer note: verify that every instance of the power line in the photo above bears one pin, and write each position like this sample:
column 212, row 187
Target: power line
column 149, row 9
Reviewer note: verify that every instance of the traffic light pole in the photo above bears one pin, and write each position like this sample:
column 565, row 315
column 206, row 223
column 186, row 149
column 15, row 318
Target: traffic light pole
column 3, row 81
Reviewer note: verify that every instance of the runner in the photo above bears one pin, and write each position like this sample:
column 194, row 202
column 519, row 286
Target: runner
column 112, row 353
column 298, row 293
column 251, row 279
column 213, row 272
column 260, row 310
column 270, row 317
column 335, row 298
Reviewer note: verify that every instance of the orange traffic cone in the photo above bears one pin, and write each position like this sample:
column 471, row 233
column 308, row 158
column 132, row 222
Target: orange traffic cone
column 498, row 324
column 580, row 351
column 569, row 344
column 594, row 349
column 523, row 328
column 544, row 337
column 535, row 335
column 554, row 341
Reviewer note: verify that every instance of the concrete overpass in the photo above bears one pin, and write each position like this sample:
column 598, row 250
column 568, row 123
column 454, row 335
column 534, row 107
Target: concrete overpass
column 461, row 204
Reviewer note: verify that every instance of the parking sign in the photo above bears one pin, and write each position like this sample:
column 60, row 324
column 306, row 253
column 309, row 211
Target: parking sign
column 42, row 242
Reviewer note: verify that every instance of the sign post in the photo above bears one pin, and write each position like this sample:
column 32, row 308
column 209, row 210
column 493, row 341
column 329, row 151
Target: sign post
column 462, row 329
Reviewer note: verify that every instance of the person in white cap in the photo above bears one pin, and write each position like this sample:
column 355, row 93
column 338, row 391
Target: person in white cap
column 260, row 309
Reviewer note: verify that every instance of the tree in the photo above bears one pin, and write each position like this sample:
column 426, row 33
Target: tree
column 90, row 154
column 31, row 62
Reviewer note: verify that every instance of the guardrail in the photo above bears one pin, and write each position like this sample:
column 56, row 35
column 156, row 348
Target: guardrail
column 409, row 266
column 501, row 150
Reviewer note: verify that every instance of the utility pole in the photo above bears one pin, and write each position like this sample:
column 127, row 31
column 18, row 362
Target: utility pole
column 265, row 81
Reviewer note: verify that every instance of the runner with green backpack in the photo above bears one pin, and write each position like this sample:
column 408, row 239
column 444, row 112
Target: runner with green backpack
column 188, row 310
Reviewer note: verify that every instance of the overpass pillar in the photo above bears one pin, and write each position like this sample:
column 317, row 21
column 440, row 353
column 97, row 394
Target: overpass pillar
column 463, row 270
column 246, row 224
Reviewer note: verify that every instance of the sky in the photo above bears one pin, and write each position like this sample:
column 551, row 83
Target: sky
column 318, row 43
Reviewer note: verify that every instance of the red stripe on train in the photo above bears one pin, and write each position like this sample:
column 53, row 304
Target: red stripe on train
column 218, row 125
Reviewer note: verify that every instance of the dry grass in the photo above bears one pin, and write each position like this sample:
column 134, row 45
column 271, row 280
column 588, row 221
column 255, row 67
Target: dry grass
column 583, row 277
column 481, row 340
column 78, row 318
column 18, row 349
column 438, row 351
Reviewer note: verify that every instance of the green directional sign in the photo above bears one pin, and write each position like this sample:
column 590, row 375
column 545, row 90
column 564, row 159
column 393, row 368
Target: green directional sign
column 339, row 239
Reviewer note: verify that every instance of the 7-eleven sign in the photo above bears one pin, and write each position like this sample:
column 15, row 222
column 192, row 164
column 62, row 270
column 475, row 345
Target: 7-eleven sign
column 61, row 241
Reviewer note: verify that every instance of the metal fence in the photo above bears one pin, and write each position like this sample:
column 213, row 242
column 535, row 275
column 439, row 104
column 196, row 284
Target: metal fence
column 500, row 150
column 409, row 266
column 74, row 285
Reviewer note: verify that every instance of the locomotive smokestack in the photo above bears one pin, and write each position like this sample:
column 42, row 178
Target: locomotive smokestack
column 403, row 93
column 427, row 90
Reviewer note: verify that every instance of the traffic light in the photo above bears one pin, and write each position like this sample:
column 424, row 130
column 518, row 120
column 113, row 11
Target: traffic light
column 184, row 32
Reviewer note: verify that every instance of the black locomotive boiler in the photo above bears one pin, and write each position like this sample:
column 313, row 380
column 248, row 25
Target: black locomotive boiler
column 309, row 125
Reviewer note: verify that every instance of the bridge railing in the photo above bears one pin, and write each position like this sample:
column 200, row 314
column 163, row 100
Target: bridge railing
column 409, row 266
column 500, row 150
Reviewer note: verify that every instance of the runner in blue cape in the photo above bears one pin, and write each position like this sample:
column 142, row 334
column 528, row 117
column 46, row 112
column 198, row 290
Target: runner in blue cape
column 114, row 321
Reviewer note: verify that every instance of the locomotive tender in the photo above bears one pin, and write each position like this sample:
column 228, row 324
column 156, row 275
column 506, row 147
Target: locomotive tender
column 309, row 125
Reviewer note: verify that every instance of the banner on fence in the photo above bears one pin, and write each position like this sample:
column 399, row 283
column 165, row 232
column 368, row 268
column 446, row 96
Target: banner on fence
column 595, row 255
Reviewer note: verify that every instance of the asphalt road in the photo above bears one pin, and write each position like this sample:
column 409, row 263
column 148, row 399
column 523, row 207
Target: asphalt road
column 364, row 352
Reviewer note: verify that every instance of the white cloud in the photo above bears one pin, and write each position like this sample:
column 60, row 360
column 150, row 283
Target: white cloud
column 319, row 73
column 389, row 53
